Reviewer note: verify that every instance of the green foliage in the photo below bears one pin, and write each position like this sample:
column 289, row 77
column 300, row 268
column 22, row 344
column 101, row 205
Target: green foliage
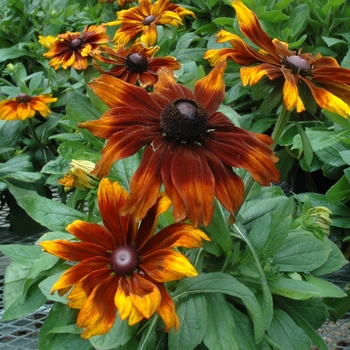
column 260, row 280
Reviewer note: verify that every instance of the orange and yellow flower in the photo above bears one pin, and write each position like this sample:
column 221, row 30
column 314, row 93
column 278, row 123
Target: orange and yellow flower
column 135, row 63
column 328, row 82
column 122, row 265
column 24, row 106
column 73, row 49
column 145, row 18
column 191, row 147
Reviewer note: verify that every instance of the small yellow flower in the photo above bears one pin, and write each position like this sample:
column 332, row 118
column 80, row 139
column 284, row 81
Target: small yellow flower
column 47, row 41
column 79, row 176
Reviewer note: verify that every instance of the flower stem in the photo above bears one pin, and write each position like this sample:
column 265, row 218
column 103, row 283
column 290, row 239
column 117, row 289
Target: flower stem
column 32, row 128
column 281, row 123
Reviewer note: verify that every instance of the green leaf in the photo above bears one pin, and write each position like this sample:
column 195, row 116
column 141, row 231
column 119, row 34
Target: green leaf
column 301, row 252
column 46, row 286
column 270, row 231
column 219, row 282
column 76, row 150
column 58, row 166
column 193, row 316
column 220, row 332
column 294, row 289
column 16, row 303
column 23, row 254
column 49, row 213
column 9, row 53
column 332, row 41
column 61, row 315
column 286, row 333
column 123, row 170
column 243, row 330
column 335, row 261
column 119, row 334
column 80, row 109
column 340, row 305
column 19, row 163
column 307, row 148
column 298, row 20
column 218, row 229
column 251, row 210
column 319, row 139
column 340, row 191
column 328, row 289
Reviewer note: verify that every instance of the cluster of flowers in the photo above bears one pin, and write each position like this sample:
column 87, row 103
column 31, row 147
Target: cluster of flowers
column 190, row 148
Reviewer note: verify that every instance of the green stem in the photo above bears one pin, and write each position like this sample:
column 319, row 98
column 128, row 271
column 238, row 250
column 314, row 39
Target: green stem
column 32, row 128
column 281, row 123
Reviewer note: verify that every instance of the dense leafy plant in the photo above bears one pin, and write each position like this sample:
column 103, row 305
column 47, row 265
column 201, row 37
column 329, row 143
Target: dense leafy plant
column 260, row 278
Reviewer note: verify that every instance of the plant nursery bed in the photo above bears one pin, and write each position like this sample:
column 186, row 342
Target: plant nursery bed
column 22, row 334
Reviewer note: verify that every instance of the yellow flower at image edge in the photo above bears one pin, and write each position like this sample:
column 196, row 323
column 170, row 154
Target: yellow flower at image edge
column 143, row 19
column 328, row 83
column 122, row 265
column 191, row 147
column 73, row 49
column 24, row 106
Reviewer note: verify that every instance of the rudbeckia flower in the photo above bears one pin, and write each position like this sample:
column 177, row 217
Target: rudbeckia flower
column 136, row 63
column 145, row 18
column 328, row 82
column 190, row 146
column 24, row 106
column 122, row 265
column 73, row 49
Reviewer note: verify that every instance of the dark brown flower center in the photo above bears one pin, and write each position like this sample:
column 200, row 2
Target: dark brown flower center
column 23, row 98
column 148, row 20
column 184, row 120
column 297, row 64
column 124, row 260
column 136, row 62
column 76, row 43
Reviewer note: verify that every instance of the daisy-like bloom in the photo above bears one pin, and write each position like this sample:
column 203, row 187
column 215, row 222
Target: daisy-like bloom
column 122, row 265
column 190, row 146
column 328, row 82
column 79, row 176
column 136, row 63
column 47, row 41
column 24, row 106
column 73, row 49
column 143, row 19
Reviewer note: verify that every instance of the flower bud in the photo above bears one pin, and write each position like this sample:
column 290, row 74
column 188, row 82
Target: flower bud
column 79, row 176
